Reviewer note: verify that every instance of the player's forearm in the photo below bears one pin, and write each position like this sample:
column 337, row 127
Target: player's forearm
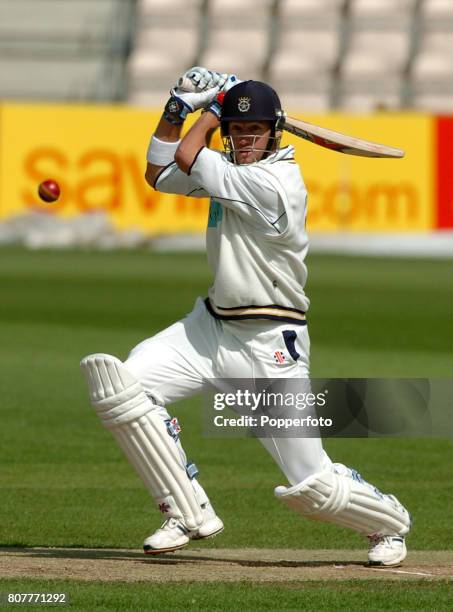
column 197, row 137
column 166, row 132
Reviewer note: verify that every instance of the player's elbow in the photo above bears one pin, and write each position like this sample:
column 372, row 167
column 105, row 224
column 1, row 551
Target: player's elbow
column 151, row 175
column 148, row 177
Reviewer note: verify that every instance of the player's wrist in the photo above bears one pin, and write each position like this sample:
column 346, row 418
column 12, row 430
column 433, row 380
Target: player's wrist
column 216, row 105
column 175, row 111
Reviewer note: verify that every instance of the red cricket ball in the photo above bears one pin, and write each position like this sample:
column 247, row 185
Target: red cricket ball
column 49, row 191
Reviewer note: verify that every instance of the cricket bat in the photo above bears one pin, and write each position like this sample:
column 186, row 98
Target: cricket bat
column 330, row 139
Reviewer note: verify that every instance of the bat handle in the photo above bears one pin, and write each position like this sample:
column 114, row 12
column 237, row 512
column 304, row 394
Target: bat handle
column 186, row 84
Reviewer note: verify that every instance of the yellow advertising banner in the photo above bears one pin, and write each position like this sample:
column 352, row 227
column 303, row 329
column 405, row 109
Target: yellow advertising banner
column 350, row 193
column 97, row 154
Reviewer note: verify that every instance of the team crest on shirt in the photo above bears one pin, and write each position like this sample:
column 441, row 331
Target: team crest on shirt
column 244, row 104
column 279, row 357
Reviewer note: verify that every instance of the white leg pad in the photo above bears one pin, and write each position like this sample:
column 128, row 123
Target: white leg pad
column 123, row 407
column 342, row 497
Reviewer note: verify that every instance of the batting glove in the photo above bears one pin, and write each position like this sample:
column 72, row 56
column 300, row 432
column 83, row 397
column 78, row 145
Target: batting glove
column 216, row 106
column 202, row 78
column 181, row 103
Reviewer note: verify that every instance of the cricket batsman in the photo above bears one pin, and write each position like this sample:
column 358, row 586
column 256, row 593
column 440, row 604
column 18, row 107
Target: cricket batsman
column 256, row 309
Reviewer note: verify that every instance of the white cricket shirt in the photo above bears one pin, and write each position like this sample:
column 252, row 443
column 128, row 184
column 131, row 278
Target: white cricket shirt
column 256, row 239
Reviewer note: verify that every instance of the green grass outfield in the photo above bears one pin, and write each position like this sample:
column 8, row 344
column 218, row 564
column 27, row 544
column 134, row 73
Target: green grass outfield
column 64, row 482
column 314, row 596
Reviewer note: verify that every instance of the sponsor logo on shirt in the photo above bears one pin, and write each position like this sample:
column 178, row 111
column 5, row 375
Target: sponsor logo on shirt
column 279, row 357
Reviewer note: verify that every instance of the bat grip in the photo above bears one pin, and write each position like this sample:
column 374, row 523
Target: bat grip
column 186, row 84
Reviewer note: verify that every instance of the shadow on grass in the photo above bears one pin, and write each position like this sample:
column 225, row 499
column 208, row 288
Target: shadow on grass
column 163, row 558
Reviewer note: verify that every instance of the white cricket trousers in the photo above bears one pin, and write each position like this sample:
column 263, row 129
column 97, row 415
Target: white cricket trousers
column 177, row 363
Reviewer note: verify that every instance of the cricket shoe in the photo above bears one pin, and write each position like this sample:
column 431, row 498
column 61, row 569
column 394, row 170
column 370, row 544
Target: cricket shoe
column 210, row 526
column 386, row 551
column 173, row 534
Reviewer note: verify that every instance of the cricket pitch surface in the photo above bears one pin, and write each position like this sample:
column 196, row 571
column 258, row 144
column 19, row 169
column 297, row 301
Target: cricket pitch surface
column 215, row 565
